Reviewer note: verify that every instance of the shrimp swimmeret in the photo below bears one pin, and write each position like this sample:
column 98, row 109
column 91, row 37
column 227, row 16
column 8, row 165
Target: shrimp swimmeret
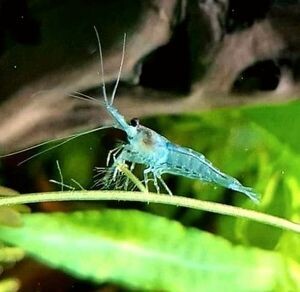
column 159, row 155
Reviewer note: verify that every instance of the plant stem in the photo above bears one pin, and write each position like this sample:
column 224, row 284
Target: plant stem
column 124, row 168
column 153, row 198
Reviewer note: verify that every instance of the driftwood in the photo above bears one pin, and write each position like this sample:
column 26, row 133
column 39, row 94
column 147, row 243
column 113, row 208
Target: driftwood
column 37, row 79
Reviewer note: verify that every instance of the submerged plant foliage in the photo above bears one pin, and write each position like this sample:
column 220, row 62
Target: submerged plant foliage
column 145, row 251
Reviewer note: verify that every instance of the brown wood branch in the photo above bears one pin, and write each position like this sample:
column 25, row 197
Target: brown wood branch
column 75, row 115
column 270, row 38
column 39, row 108
column 241, row 50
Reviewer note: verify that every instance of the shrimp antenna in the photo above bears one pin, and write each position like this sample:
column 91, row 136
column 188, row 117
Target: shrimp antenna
column 101, row 65
column 86, row 98
column 68, row 139
column 120, row 71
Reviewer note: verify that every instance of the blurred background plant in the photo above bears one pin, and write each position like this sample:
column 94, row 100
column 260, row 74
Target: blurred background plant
column 10, row 216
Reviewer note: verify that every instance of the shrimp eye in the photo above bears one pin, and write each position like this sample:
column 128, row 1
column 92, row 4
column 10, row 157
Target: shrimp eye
column 135, row 122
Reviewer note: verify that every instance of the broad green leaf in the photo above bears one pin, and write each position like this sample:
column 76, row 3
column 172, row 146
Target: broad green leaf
column 144, row 251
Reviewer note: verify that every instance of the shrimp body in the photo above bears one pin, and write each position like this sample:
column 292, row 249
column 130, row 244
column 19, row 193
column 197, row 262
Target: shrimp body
column 160, row 155
column 189, row 163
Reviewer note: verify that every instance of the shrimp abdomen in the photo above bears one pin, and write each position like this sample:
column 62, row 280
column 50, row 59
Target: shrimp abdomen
column 189, row 163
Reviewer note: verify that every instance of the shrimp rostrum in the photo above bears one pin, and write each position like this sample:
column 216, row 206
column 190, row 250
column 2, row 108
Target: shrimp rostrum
column 159, row 155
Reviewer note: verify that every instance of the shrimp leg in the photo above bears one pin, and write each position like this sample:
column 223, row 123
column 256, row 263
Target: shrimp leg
column 146, row 178
column 164, row 185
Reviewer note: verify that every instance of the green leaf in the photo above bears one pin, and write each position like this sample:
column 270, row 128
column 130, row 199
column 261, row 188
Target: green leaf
column 10, row 254
column 144, row 251
column 10, row 217
column 9, row 285
column 280, row 120
column 279, row 170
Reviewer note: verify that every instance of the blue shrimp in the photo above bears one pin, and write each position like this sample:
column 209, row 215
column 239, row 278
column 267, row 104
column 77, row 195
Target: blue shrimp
column 159, row 155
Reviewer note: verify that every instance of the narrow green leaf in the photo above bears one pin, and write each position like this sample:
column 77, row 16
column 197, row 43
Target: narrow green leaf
column 4, row 191
column 144, row 251
column 10, row 254
column 10, row 217
column 9, row 285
